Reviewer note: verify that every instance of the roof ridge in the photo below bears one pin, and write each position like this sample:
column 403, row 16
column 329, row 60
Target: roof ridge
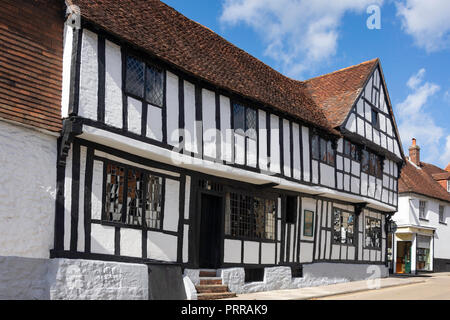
column 343, row 69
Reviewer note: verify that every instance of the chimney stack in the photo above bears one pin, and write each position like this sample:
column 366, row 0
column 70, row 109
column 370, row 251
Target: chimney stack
column 414, row 153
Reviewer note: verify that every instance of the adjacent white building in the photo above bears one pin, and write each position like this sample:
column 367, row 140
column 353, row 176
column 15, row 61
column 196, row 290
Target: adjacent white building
column 421, row 242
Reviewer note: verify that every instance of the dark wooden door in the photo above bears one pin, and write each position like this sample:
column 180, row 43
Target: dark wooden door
column 210, row 231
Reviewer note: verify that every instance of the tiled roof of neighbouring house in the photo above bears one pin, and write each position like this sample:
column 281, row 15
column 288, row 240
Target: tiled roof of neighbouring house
column 165, row 33
column 31, row 45
column 419, row 180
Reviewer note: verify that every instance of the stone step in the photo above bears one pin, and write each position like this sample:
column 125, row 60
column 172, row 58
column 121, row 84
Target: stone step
column 208, row 273
column 215, row 296
column 212, row 288
column 210, row 280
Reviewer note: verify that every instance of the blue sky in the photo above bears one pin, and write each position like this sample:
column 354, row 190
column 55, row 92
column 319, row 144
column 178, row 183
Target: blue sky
column 303, row 39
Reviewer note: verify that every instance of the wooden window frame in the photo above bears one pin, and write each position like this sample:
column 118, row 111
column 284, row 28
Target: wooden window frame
column 305, row 234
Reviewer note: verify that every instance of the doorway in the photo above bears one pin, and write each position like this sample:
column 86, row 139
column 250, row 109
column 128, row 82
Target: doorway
column 403, row 261
column 210, row 252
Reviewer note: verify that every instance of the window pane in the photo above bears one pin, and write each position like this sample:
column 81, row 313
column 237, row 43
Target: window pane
column 347, row 148
column 134, row 198
column 249, row 217
column 135, row 77
column 373, row 164
column 154, row 87
column 153, row 202
column 114, row 192
column 330, row 153
column 375, row 118
column 239, row 118
column 355, row 153
column 308, row 227
column 337, row 226
column 365, row 161
column 315, row 147
column 323, row 150
column 251, row 123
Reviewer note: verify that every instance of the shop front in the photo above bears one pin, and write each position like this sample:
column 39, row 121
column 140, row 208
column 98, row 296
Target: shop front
column 413, row 250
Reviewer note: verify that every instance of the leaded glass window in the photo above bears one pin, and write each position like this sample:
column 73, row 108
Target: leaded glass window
column 315, row 147
column 135, row 77
column 239, row 118
column 251, row 123
column 373, row 233
column 143, row 192
column 115, row 176
column 249, row 217
column 153, row 202
column 144, row 82
column 154, row 87
column 344, row 223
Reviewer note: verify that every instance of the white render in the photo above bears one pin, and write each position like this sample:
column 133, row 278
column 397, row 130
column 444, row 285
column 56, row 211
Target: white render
column 113, row 85
column 89, row 76
column 27, row 191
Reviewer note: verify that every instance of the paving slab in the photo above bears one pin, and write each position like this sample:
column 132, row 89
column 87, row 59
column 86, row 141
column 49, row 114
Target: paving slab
column 329, row 290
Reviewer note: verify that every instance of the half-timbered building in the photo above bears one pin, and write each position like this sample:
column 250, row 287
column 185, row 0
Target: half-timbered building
column 184, row 153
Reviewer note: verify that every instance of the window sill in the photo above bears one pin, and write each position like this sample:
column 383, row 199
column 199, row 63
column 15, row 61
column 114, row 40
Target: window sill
column 424, row 219
column 444, row 223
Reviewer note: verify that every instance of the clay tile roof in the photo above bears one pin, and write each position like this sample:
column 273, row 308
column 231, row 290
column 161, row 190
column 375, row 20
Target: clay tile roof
column 336, row 92
column 418, row 180
column 441, row 176
column 165, row 33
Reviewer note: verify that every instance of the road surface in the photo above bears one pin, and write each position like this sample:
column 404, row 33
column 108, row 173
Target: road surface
column 436, row 287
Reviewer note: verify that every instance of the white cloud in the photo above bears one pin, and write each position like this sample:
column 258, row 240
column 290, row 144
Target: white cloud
column 427, row 21
column 299, row 34
column 445, row 157
column 415, row 120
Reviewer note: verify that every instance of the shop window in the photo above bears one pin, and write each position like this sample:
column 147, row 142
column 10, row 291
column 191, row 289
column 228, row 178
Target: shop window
column 373, row 233
column 423, row 257
column 249, row 217
column 133, row 197
column 344, row 222
column 291, row 209
column 308, row 224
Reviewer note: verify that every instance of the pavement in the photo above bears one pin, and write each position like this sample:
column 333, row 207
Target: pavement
column 346, row 288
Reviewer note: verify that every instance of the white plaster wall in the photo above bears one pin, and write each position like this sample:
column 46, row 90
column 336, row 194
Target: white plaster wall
column 113, row 85
column 251, row 152
column 97, row 190
column 102, row 239
column 68, row 198
column 186, row 243
column 274, row 144
column 130, row 242
column 209, row 123
column 306, row 155
column 232, row 251
column 268, row 253
column 27, row 191
column 327, row 175
column 154, row 123
column 316, row 274
column 262, row 139
column 296, row 150
column 97, row 280
column 225, row 129
column 89, row 76
column 189, row 117
column 286, row 148
column 83, row 155
column 161, row 246
column 239, row 149
column 172, row 105
column 134, row 116
column 67, row 65
column 251, row 252
column 171, row 205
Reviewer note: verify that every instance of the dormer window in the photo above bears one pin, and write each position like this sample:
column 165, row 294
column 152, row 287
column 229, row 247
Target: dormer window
column 144, row 82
